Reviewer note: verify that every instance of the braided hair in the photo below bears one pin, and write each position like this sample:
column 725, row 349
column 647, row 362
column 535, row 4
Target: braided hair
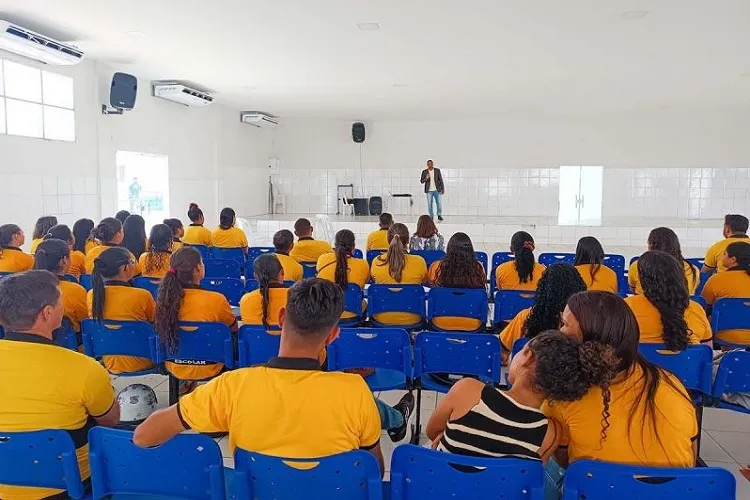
column 183, row 264
column 158, row 256
column 344, row 246
column 266, row 269
column 558, row 283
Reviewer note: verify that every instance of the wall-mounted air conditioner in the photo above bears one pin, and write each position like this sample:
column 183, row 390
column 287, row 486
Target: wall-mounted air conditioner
column 182, row 94
column 258, row 119
column 27, row 43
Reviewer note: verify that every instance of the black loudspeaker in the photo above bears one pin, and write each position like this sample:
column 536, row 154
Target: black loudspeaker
column 123, row 90
column 376, row 205
column 358, row 132
column 360, row 206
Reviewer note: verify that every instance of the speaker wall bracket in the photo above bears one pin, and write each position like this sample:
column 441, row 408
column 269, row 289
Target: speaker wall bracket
column 106, row 110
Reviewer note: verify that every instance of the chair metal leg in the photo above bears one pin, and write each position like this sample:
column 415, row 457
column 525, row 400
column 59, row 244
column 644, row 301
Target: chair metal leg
column 174, row 389
column 417, row 427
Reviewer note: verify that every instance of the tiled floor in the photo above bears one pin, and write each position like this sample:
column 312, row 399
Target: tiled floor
column 725, row 440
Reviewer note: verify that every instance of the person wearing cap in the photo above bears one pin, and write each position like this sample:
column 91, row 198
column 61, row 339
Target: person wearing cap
column 434, row 188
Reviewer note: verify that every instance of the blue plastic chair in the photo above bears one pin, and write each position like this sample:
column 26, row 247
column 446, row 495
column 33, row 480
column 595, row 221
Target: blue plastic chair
column 255, row 252
column 354, row 475
column 231, row 288
column 518, row 346
column 120, row 338
column 235, row 254
column 252, row 285
column 357, row 254
column 730, row 314
column 508, row 303
column 614, row 261
column 204, row 250
column 65, row 336
column 85, row 282
column 372, row 254
column 353, row 297
column 483, row 259
column 256, row 345
column 186, row 466
column 419, row 473
column 388, row 350
column 43, row 459
column 548, row 259
column 222, row 268
column 702, row 280
column 309, row 269
column 201, row 342
column 457, row 302
column 396, row 298
column 697, row 261
column 593, row 479
column 692, row 366
column 699, row 300
column 149, row 284
column 429, row 256
column 70, row 278
column 497, row 259
column 733, row 376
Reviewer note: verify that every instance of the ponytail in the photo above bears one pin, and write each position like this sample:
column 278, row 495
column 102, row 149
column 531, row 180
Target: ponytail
column 171, row 291
column 106, row 266
column 266, row 269
column 344, row 248
column 522, row 246
column 97, row 290
column 50, row 254
column 395, row 257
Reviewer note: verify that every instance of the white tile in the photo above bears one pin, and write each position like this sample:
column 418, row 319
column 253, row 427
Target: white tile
column 51, row 206
column 712, row 451
column 716, row 419
column 65, row 204
column 737, row 444
column 49, row 185
column 64, row 185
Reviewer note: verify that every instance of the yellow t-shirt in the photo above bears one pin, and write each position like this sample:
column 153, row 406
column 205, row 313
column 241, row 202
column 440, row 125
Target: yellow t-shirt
column 74, row 303
column 630, row 440
column 715, row 254
column 13, row 260
column 207, row 306
column 514, row 330
column 692, row 275
column 123, row 302
column 286, row 408
column 377, row 240
column 309, row 250
column 35, row 243
column 95, row 252
column 77, row 263
column 734, row 283
column 233, row 237
column 89, row 245
column 251, row 306
column 196, row 234
column 651, row 328
column 52, row 388
column 160, row 264
column 292, row 269
column 357, row 272
column 414, row 273
column 507, row 278
column 605, row 278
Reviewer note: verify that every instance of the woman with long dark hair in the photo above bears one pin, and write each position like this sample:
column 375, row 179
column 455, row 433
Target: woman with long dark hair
column 664, row 311
column 154, row 263
column 589, row 262
column 134, row 235
column 228, row 235
column 558, row 283
column 41, row 228
column 523, row 272
column 196, row 234
column 178, row 231
column 732, row 283
column 427, row 236
column 342, row 268
column 82, row 234
column 77, row 258
column 108, row 233
column 12, row 258
column 666, row 240
column 644, row 417
column 262, row 306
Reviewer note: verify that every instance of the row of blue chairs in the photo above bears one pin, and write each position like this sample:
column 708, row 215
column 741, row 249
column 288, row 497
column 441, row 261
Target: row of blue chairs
column 191, row 466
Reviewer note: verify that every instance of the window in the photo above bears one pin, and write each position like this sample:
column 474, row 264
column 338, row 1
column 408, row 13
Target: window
column 580, row 196
column 36, row 103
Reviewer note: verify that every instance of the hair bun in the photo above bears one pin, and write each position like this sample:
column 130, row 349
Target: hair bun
column 192, row 206
column 598, row 362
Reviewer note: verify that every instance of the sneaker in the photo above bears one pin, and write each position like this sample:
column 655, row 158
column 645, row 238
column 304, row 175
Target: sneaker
column 405, row 407
column 440, row 218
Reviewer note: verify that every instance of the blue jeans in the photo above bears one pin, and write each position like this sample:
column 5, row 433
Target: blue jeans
column 554, row 475
column 434, row 195
column 390, row 418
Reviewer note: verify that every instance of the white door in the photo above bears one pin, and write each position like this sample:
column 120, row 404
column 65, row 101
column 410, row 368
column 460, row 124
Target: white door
column 580, row 196
column 570, row 186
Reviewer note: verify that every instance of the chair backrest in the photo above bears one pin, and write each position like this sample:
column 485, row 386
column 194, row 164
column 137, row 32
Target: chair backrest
column 186, row 466
column 615, row 262
column 200, row 342
column 702, row 280
column 730, row 314
column 354, row 475
column 497, row 259
column 429, row 256
column 593, row 479
column 388, row 348
column 44, row 459
column 733, row 375
column 126, row 338
column 465, row 353
column 353, row 296
column 256, row 345
column 357, row 253
column 231, row 288
column 65, row 336
column 692, row 366
column 457, row 302
column 483, row 259
column 548, row 259
column 70, row 278
column 697, row 261
column 85, row 282
column 255, row 252
column 518, row 345
column 419, row 473
column 149, row 284
column 204, row 250
column 222, row 268
column 699, row 300
column 235, row 254
column 309, row 269
column 508, row 303
column 372, row 254
column 396, row 298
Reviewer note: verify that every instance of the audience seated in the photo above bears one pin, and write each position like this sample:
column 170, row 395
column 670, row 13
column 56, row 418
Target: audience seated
column 154, row 263
column 228, row 235
column 122, row 216
column 77, row 259
column 178, row 231
column 263, row 306
column 735, row 230
column 283, row 242
column 47, row 386
column 589, row 262
column 666, row 240
column 480, row 420
column 108, row 234
column 458, row 269
column 81, row 234
column 307, row 249
column 53, row 255
column 12, row 258
column 665, row 313
column 134, row 235
column 557, row 284
column 427, row 236
column 196, row 234
column 643, row 417
column 735, row 283
column 182, row 299
column 341, row 268
column 523, row 272
column 114, row 298
column 41, row 228
column 378, row 240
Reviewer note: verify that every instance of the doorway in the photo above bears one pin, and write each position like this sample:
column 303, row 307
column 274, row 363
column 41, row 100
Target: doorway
column 580, row 201
column 143, row 185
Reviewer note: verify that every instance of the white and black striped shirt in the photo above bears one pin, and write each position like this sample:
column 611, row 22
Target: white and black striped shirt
column 497, row 426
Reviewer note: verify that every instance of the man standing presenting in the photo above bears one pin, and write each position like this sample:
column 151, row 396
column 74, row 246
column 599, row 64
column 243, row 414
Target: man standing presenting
column 434, row 188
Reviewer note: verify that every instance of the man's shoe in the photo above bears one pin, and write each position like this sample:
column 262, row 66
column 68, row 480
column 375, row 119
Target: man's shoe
column 440, row 218
column 405, row 407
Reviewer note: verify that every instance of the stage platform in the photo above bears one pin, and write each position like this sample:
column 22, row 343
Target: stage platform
column 492, row 234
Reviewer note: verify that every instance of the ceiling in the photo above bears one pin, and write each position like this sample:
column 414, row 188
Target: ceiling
column 430, row 59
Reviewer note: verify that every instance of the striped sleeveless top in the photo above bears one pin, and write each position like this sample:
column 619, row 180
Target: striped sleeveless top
column 497, row 426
